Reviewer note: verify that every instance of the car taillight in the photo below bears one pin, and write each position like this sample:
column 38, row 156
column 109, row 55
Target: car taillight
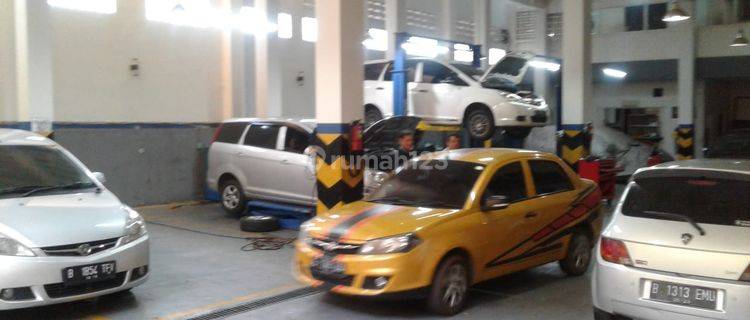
column 216, row 133
column 615, row 251
column 746, row 275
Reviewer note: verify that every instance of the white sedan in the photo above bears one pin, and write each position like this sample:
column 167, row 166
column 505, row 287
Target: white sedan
column 444, row 93
column 63, row 235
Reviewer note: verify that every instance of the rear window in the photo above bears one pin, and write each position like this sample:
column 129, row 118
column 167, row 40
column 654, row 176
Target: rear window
column 705, row 200
column 231, row 132
column 262, row 135
column 549, row 177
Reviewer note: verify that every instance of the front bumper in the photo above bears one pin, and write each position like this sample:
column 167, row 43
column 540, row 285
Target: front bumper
column 618, row 289
column 514, row 114
column 43, row 275
column 406, row 272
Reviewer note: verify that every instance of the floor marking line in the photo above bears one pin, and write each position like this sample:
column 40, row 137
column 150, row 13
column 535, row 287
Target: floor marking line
column 233, row 301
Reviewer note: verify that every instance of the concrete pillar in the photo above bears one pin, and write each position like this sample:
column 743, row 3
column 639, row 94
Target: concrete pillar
column 339, row 56
column 238, row 62
column 267, row 67
column 27, row 59
column 482, row 28
column 685, row 132
column 576, row 81
column 395, row 22
column 447, row 26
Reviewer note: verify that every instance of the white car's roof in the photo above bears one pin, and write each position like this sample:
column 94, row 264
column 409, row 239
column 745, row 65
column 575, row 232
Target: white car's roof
column 739, row 166
column 22, row 137
column 308, row 124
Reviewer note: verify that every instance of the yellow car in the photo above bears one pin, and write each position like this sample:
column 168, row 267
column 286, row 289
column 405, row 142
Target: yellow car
column 450, row 219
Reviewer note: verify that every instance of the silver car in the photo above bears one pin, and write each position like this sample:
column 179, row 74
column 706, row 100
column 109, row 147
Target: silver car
column 678, row 245
column 261, row 159
column 63, row 236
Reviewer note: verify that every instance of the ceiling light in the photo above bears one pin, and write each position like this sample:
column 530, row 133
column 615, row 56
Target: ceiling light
column 675, row 13
column 739, row 39
column 541, row 64
column 614, row 73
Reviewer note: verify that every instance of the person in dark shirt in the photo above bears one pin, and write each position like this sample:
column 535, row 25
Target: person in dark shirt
column 405, row 150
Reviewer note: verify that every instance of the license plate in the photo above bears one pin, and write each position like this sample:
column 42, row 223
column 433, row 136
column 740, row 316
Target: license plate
column 327, row 266
column 89, row 273
column 685, row 295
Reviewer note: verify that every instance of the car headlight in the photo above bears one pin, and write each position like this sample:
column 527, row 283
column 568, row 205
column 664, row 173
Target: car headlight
column 10, row 247
column 395, row 244
column 135, row 226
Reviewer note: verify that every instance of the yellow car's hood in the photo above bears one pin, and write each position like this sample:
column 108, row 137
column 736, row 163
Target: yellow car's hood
column 361, row 221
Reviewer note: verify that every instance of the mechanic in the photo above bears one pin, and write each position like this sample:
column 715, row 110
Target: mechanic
column 453, row 142
column 405, row 149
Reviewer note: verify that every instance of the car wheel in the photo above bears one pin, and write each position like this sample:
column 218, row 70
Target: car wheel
column 259, row 224
column 233, row 198
column 518, row 132
column 480, row 124
column 450, row 287
column 578, row 258
column 372, row 115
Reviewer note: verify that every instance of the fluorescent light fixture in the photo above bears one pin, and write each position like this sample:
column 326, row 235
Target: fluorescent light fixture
column 547, row 65
column 614, row 73
column 463, row 53
column 423, row 47
column 96, row 6
column 309, row 29
column 462, row 46
column 377, row 40
column 675, row 13
column 495, row 55
column 284, row 21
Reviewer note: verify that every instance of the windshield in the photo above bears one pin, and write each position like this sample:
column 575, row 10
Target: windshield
column 705, row 200
column 468, row 70
column 25, row 168
column 430, row 183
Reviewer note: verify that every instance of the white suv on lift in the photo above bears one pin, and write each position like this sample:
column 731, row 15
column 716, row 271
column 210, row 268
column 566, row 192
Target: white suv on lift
column 444, row 93
column 678, row 246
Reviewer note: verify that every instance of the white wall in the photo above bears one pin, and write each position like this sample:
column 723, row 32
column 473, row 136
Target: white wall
column 7, row 61
column 640, row 95
column 713, row 41
column 183, row 69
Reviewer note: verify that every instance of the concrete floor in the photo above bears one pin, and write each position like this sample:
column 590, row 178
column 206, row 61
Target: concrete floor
column 194, row 273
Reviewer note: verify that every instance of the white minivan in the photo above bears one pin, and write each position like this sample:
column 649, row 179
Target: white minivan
column 678, row 245
column 63, row 235
column 261, row 159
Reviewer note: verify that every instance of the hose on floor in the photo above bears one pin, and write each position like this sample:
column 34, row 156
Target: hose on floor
column 255, row 243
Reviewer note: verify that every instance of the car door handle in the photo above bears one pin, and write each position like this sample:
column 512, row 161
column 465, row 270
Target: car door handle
column 379, row 88
column 531, row 215
column 285, row 161
column 420, row 90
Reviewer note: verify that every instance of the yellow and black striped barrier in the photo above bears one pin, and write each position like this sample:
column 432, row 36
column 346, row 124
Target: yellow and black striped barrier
column 684, row 137
column 573, row 144
column 339, row 180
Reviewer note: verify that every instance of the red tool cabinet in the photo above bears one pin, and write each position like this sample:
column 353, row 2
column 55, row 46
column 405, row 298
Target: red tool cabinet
column 603, row 172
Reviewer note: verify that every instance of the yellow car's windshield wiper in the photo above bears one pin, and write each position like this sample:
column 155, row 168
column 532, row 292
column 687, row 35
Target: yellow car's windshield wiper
column 19, row 189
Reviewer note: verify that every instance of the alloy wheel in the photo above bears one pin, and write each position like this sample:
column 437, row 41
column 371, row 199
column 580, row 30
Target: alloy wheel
column 456, row 286
column 231, row 197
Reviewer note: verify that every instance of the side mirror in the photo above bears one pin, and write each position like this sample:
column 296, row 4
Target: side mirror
column 490, row 203
column 100, row 177
column 706, row 152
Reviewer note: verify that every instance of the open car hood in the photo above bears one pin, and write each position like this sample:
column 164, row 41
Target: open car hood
column 511, row 68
